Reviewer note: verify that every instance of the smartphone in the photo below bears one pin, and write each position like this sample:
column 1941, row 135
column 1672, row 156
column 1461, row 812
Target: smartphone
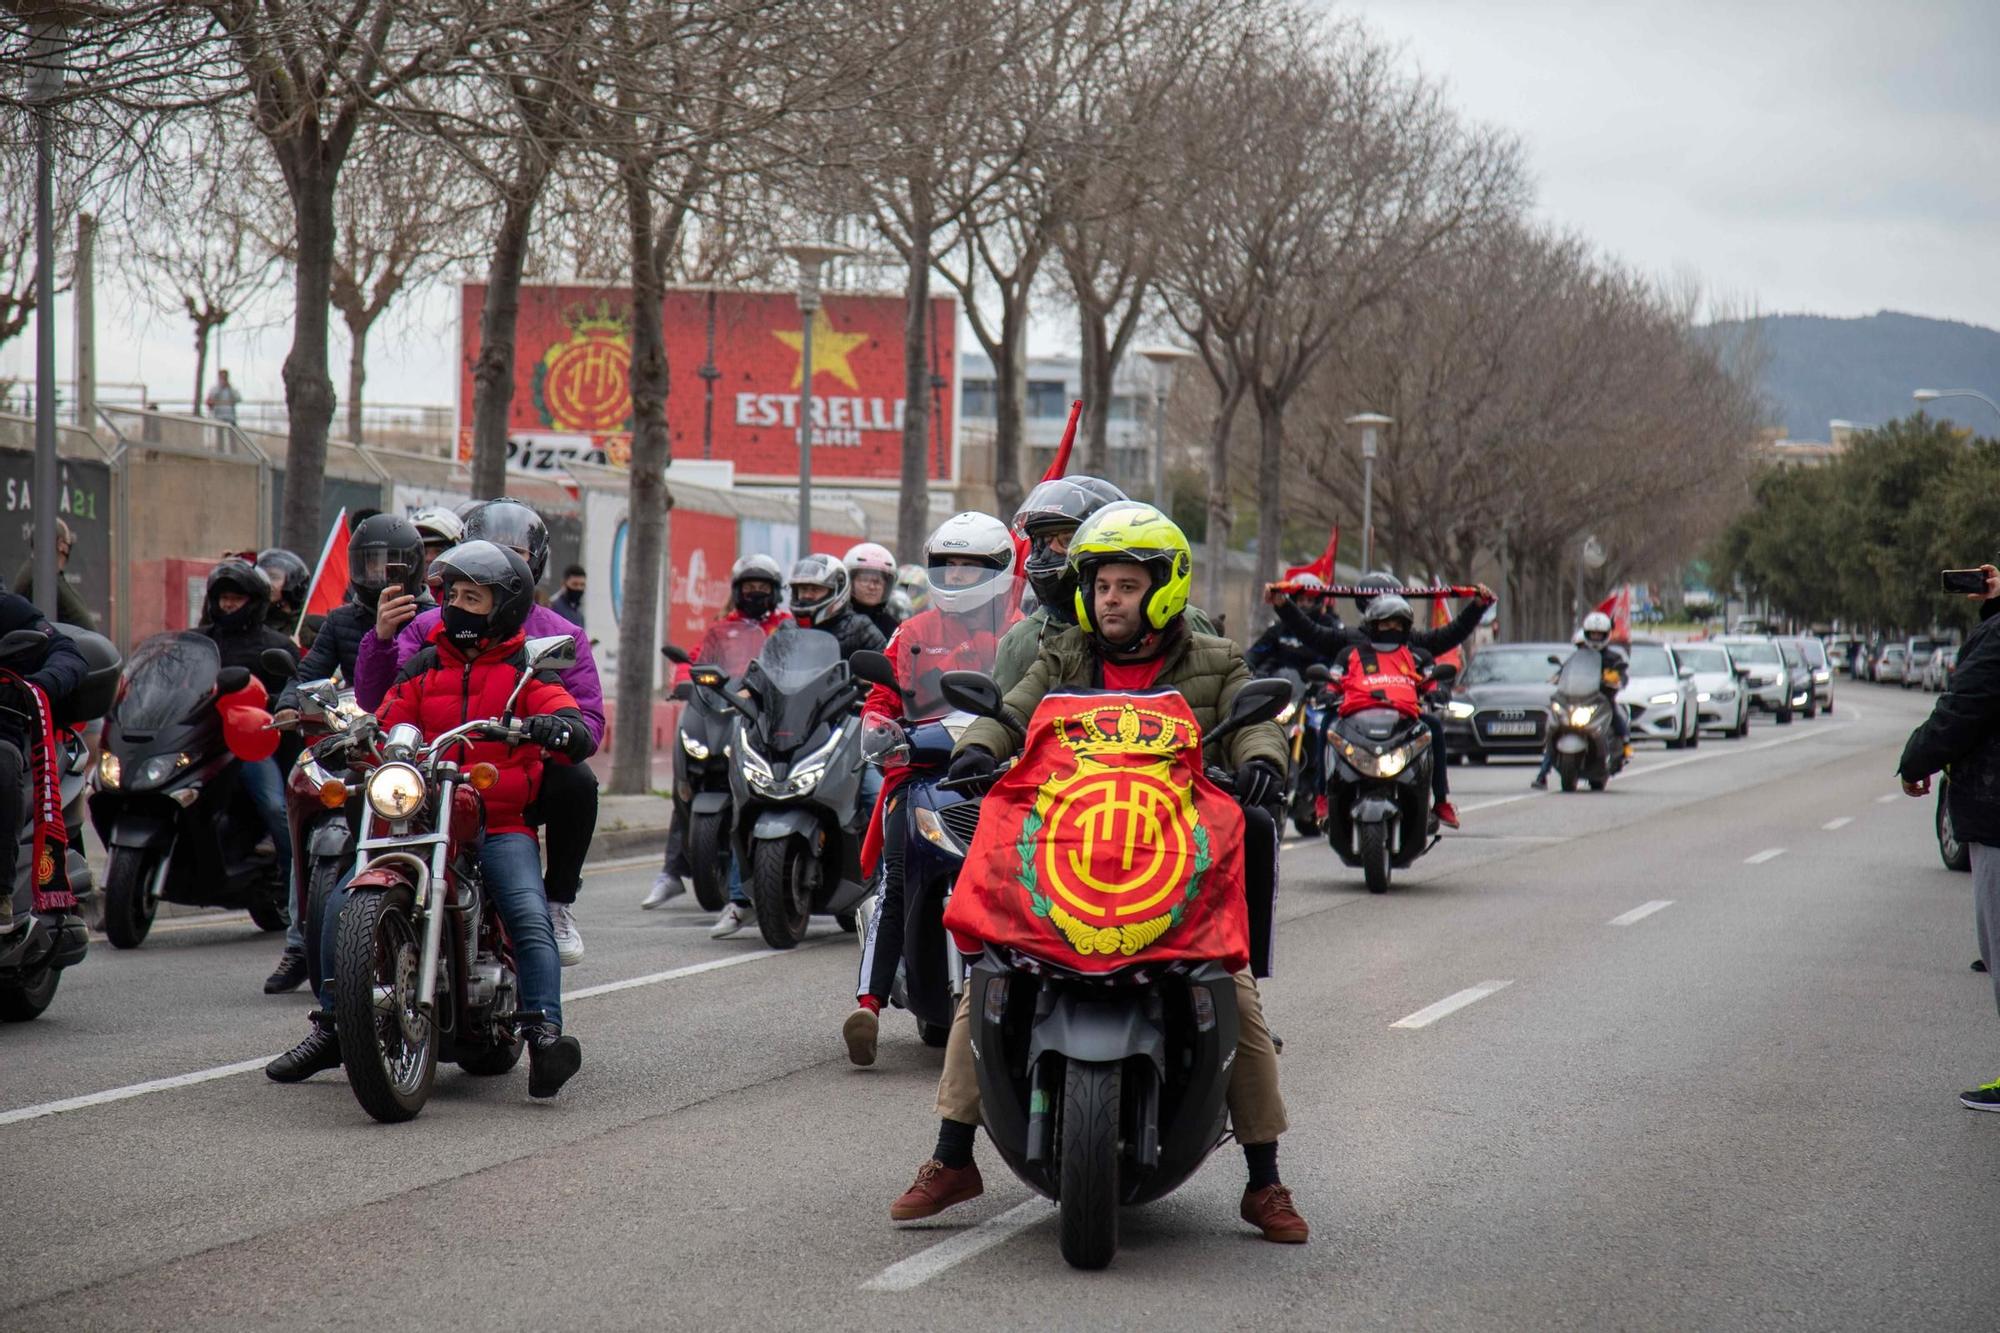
column 1964, row 581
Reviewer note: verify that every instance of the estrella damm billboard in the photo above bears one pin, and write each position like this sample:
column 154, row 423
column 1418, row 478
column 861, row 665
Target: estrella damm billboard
column 573, row 390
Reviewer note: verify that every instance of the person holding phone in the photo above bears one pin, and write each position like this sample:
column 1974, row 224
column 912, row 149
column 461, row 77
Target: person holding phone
column 1963, row 734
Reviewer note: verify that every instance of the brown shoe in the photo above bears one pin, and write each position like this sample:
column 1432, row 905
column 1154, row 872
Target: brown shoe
column 859, row 1032
column 937, row 1188
column 1270, row 1211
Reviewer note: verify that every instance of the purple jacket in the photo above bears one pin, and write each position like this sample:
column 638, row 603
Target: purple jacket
column 376, row 667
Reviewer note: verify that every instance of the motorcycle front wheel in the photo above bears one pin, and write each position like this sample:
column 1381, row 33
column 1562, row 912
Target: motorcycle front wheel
column 1375, row 853
column 708, row 858
column 128, row 907
column 1569, row 768
column 387, row 1043
column 24, row 1001
column 1305, row 814
column 1088, row 1194
column 777, row 873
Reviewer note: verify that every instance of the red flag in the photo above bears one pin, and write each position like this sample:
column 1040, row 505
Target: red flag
column 1440, row 617
column 1619, row 607
column 1107, row 845
column 1059, row 465
column 329, row 581
column 1322, row 568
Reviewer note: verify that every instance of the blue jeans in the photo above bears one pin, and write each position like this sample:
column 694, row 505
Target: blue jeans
column 264, row 783
column 511, row 867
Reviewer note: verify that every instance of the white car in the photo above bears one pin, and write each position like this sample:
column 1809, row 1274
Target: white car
column 1660, row 697
column 1721, row 698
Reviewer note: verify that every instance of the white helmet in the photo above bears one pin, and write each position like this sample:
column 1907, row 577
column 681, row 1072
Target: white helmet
column 971, row 536
column 873, row 558
column 435, row 523
column 1596, row 623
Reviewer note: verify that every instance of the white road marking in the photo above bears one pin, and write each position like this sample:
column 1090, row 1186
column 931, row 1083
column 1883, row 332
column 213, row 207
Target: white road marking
column 1450, row 1004
column 1842, row 822
column 1889, row 799
column 921, row 1267
column 1768, row 854
column 132, row 1090
column 1641, row 912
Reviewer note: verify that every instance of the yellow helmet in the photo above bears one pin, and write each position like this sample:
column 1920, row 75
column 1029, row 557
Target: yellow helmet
column 1130, row 532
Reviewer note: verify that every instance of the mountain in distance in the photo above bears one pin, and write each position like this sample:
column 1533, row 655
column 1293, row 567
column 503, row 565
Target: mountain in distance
column 1818, row 369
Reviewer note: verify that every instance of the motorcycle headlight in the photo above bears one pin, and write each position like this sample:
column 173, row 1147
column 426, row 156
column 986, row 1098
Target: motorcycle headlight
column 159, row 768
column 1661, row 700
column 1460, row 709
column 109, row 770
column 934, row 831
column 754, row 768
column 694, row 748
column 396, row 791
column 1580, row 715
column 1392, row 763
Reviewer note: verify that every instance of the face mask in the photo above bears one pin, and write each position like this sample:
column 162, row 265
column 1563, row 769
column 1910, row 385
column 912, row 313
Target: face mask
column 755, row 605
column 466, row 628
column 1388, row 636
column 241, row 618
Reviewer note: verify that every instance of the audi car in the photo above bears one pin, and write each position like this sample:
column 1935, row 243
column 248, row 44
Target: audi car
column 1721, row 699
column 1659, row 698
column 1500, row 706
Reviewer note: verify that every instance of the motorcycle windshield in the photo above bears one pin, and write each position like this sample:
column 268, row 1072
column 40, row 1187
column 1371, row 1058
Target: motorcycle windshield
column 730, row 645
column 936, row 641
column 791, row 678
column 167, row 678
column 1581, row 676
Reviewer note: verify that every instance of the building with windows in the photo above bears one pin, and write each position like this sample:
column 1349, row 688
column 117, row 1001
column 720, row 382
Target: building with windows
column 1053, row 384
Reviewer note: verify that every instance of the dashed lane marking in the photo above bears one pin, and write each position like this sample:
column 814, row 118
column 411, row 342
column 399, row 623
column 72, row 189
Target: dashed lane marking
column 1450, row 1004
column 1840, row 823
column 1641, row 912
column 1768, row 854
column 924, row 1265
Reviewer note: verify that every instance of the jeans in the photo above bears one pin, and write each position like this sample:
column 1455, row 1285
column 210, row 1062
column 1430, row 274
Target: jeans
column 264, row 783
column 882, row 948
column 1440, row 760
column 511, row 867
column 566, row 809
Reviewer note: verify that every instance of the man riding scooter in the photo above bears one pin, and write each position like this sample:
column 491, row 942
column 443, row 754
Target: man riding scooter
column 1596, row 634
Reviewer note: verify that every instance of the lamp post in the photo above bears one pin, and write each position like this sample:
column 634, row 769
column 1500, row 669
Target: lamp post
column 1370, row 423
column 1164, row 360
column 1932, row 395
column 45, row 83
column 811, row 256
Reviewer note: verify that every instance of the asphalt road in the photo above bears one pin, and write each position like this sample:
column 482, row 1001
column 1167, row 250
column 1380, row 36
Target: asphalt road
column 1735, row 1110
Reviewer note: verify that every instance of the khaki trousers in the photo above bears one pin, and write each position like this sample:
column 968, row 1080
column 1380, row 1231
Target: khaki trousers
column 1256, row 1109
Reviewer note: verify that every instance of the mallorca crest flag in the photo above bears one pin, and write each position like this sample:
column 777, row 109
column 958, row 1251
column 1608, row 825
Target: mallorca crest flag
column 1106, row 845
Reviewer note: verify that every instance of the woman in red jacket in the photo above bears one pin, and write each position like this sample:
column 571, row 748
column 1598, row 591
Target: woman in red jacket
column 466, row 672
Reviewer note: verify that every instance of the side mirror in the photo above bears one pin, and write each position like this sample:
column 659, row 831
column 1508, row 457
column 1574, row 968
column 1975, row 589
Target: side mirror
column 1259, row 701
column 1686, row 673
column 230, row 679
column 873, row 667
column 1318, row 673
column 556, row 652
column 1555, row 660
column 1444, row 673
column 676, row 655
column 683, row 691
column 279, row 661
column 976, row 693
column 22, row 642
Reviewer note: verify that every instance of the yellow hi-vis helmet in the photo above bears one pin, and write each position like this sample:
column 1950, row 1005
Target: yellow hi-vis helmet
column 1129, row 532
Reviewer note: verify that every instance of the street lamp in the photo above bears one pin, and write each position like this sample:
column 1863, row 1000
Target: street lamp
column 45, row 85
column 1164, row 360
column 1370, row 422
column 1932, row 395
column 811, row 256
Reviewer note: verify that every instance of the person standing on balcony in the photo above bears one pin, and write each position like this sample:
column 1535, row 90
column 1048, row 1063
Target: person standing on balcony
column 223, row 398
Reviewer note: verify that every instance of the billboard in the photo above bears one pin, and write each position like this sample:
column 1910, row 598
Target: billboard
column 84, row 501
column 734, row 365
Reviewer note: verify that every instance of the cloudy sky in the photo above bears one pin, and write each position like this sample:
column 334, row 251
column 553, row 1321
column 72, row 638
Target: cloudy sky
column 1828, row 156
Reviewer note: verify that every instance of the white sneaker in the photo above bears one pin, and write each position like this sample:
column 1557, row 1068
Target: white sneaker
column 665, row 888
column 569, row 940
column 734, row 917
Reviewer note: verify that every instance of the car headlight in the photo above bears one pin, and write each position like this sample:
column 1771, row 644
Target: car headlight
column 396, row 791
column 1661, row 700
column 108, row 769
column 1580, row 715
column 159, row 768
column 1800, row 698
column 1822, row 675
column 1460, row 709
column 934, row 831
column 694, row 748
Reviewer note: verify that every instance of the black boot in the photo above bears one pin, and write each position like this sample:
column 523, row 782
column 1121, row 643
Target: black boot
column 318, row 1053
column 291, row 973
column 552, row 1059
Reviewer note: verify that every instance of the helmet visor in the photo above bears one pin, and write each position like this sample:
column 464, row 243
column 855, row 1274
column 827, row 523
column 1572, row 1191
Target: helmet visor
column 377, row 568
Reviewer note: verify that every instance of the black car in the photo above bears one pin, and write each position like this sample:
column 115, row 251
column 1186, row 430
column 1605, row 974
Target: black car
column 1500, row 706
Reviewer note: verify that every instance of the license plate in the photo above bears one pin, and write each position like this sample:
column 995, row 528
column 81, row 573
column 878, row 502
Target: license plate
column 1510, row 728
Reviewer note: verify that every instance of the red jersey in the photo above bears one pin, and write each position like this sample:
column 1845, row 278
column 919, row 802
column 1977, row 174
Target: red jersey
column 1377, row 679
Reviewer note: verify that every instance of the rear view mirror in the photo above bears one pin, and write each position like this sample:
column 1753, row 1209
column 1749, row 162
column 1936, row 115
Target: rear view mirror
column 1444, row 673
column 678, row 656
column 555, row 652
column 873, row 667
column 229, row 679
column 279, row 661
column 1259, row 701
column 1555, row 660
column 1686, row 673
column 975, row 692
column 1318, row 672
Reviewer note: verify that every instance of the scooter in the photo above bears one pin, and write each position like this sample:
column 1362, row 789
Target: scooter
column 34, row 954
column 1379, row 814
column 325, row 826
column 796, row 785
column 167, row 801
column 1581, row 730
column 701, row 753
column 1304, row 721
column 1102, row 1090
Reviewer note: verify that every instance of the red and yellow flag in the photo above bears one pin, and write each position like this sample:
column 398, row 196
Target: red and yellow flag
column 1106, row 845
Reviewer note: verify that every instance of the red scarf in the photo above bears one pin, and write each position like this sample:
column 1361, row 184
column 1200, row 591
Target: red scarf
column 51, row 843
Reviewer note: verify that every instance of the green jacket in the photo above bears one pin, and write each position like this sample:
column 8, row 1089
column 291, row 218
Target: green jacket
column 1206, row 670
column 70, row 609
column 1019, row 646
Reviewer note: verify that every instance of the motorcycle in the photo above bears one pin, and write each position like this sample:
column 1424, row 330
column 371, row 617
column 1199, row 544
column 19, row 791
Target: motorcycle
column 167, row 802
column 1304, row 721
column 796, row 784
column 1581, row 732
column 1379, row 814
column 34, row 954
column 1102, row 1090
column 701, row 752
column 323, row 836
column 423, row 968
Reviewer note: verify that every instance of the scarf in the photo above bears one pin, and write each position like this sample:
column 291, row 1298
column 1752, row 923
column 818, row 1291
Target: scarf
column 50, row 849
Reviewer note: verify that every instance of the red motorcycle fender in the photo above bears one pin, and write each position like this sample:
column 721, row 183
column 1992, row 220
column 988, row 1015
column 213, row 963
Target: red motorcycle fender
column 380, row 876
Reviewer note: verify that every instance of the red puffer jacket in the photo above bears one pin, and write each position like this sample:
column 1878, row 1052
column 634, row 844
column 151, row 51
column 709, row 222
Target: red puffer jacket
column 440, row 688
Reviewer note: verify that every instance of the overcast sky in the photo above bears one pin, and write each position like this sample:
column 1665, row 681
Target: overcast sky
column 1827, row 156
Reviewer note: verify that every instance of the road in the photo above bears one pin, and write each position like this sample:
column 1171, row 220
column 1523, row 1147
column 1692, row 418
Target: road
column 1734, row 1110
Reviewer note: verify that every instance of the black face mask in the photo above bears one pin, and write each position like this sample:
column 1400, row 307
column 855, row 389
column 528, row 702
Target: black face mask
column 243, row 617
column 466, row 628
column 755, row 605
column 1388, row 637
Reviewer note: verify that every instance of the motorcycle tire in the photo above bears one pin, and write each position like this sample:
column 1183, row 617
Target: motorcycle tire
column 1305, row 817
column 1373, row 840
column 1569, row 770
column 847, row 922
column 775, row 888
column 1955, row 854
column 268, row 910
column 497, row 1060
column 379, row 942
column 708, row 859
column 1087, row 1195
column 933, row 1035
column 24, row 1001
column 128, row 908
column 1599, row 784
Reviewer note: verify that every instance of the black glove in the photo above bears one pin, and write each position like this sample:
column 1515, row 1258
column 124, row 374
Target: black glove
column 972, row 762
column 549, row 731
column 1257, row 783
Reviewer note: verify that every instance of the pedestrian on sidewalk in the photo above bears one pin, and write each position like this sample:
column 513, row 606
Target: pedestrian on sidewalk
column 1963, row 734
column 223, row 398
column 569, row 602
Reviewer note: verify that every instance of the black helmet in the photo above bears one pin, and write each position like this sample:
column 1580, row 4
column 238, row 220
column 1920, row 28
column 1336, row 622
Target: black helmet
column 492, row 566
column 237, row 575
column 1057, row 507
column 513, row 524
column 384, row 549
column 1373, row 579
column 283, row 564
column 820, row 571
